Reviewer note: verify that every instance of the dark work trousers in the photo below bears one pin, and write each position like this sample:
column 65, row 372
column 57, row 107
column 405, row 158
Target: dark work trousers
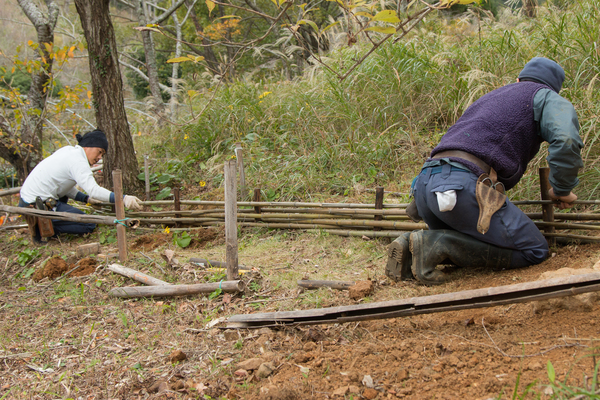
column 509, row 228
column 76, row 228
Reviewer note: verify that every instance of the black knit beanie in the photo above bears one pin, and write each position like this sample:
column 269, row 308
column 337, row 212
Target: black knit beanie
column 95, row 138
column 545, row 71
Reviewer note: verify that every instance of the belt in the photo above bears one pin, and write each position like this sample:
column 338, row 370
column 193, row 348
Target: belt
column 438, row 169
column 465, row 156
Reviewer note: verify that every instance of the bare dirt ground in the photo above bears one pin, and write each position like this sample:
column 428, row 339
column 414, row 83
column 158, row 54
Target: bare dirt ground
column 64, row 337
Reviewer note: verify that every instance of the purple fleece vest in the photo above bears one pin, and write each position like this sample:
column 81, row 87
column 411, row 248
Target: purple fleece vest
column 500, row 130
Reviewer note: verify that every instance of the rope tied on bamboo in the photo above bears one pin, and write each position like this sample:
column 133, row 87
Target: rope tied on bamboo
column 120, row 221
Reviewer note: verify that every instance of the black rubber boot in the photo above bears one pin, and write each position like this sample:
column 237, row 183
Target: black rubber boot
column 430, row 248
column 399, row 259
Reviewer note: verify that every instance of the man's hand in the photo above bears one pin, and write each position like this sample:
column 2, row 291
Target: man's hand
column 562, row 202
column 132, row 202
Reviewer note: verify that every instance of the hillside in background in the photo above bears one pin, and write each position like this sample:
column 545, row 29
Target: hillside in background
column 316, row 133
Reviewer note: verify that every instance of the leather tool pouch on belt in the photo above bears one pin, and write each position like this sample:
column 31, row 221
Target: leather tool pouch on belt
column 490, row 197
column 44, row 224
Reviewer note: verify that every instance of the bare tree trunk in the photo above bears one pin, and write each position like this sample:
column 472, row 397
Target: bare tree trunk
column 150, row 55
column 175, row 72
column 107, row 87
column 229, row 72
column 208, row 53
column 23, row 148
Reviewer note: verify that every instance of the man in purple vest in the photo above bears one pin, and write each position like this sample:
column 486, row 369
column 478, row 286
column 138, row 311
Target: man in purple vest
column 502, row 131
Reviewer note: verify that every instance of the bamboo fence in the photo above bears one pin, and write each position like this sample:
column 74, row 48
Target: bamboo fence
column 345, row 219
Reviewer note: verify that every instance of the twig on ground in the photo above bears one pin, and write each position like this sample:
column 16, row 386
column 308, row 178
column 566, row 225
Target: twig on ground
column 562, row 346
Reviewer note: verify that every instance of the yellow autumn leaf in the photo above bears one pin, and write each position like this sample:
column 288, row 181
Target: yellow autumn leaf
column 29, row 42
column 447, row 3
column 178, row 60
column 60, row 54
column 363, row 14
column 210, row 5
column 381, row 29
column 192, row 93
column 387, row 16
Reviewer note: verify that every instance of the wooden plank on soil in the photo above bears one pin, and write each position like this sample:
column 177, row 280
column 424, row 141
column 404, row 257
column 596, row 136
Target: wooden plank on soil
column 476, row 298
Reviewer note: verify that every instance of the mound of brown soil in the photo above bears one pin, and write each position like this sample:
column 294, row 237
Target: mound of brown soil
column 151, row 241
column 56, row 266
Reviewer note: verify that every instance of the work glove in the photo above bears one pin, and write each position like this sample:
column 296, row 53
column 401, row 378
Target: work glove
column 132, row 202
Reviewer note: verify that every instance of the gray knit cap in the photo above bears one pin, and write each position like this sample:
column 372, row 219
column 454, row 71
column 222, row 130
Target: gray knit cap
column 545, row 71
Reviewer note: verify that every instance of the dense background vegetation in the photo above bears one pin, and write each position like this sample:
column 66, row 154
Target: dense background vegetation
column 315, row 133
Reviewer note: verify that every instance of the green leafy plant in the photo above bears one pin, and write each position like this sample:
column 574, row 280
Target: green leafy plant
column 164, row 193
column 27, row 255
column 182, row 240
column 107, row 238
column 215, row 294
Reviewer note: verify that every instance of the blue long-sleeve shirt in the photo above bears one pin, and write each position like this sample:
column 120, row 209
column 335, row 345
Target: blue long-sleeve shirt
column 559, row 126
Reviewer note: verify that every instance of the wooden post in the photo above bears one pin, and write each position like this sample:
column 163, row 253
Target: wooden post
column 239, row 155
column 231, row 242
column 147, row 178
column 378, row 204
column 176, row 202
column 547, row 209
column 257, row 198
column 120, row 213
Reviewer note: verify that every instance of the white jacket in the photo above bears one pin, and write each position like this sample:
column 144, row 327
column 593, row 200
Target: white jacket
column 57, row 176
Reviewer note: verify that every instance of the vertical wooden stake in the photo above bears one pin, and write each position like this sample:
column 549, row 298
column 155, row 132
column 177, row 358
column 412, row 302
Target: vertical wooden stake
column 147, row 178
column 378, row 205
column 231, row 242
column 120, row 213
column 257, row 198
column 239, row 155
column 547, row 209
column 177, row 202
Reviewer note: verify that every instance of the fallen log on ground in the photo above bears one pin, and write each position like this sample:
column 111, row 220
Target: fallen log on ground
column 136, row 275
column 310, row 284
column 177, row 290
column 477, row 298
column 213, row 263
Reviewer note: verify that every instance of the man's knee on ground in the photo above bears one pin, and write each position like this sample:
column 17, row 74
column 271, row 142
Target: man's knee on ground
column 525, row 258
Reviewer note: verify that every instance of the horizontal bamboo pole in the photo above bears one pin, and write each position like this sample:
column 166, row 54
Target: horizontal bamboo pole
column 533, row 202
column 310, row 284
column 136, row 275
column 267, row 204
column 326, row 229
column 568, row 216
column 567, row 226
column 338, row 211
column 176, row 290
column 183, row 213
column 173, row 221
column 11, row 227
column 382, row 224
column 569, row 236
column 10, row 192
column 62, row 216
